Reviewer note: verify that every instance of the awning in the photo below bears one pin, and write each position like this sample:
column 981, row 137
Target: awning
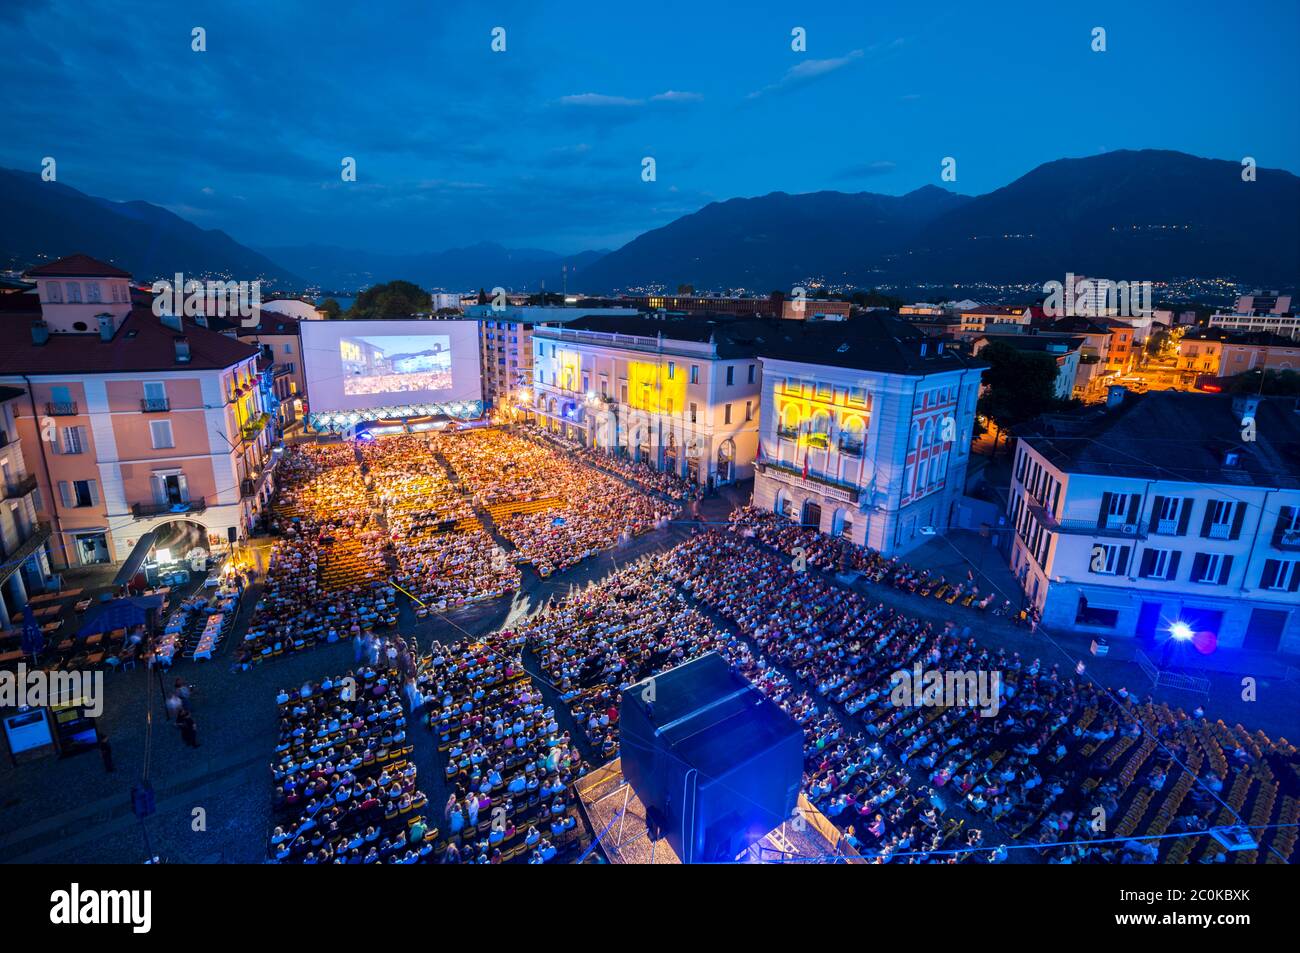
column 1105, row 599
column 134, row 560
column 119, row 614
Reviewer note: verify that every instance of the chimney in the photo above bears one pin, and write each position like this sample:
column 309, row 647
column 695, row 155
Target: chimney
column 40, row 332
column 172, row 321
column 106, row 327
column 1115, row 395
column 182, row 349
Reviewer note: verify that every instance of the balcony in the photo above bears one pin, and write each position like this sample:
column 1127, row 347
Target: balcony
column 61, row 408
column 144, row 511
column 32, row 540
column 1090, row 528
column 14, row 489
column 787, row 433
column 1287, row 539
column 255, row 426
column 823, row 486
column 154, row 405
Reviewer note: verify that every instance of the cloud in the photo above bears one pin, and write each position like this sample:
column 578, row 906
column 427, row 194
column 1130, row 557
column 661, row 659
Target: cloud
column 675, row 96
column 867, row 170
column 599, row 100
column 806, row 72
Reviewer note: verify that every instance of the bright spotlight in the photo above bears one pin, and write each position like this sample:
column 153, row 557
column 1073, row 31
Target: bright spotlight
column 1181, row 631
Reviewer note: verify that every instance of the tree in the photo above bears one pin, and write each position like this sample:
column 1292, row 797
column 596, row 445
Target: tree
column 330, row 307
column 1159, row 343
column 1020, row 384
column 1272, row 384
column 394, row 299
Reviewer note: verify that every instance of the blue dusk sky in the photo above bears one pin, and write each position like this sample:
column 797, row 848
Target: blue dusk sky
column 541, row 146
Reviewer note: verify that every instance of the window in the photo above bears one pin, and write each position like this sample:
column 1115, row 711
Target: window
column 1095, row 615
column 1280, row 575
column 726, row 414
column 695, row 373
column 731, row 374
column 752, row 369
column 692, row 412
column 1219, row 518
column 672, row 370
column 74, row 292
column 74, row 439
column 79, row 493
column 1109, row 559
column 1211, row 568
column 749, row 411
column 54, row 292
column 1159, row 564
column 92, row 292
column 1170, row 515
column 161, row 432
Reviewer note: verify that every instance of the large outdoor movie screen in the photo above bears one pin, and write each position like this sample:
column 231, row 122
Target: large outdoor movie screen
column 362, row 365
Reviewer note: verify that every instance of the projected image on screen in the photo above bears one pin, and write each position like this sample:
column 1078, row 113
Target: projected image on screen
column 395, row 364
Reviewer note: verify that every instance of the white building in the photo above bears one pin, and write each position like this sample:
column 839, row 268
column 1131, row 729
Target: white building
column 1162, row 509
column 1260, row 312
column 678, row 393
column 866, row 430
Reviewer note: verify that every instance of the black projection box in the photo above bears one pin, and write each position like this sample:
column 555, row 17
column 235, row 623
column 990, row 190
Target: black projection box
column 716, row 764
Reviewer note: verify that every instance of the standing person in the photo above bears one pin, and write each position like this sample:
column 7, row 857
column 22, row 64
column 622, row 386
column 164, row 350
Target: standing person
column 183, row 693
column 174, row 705
column 189, row 730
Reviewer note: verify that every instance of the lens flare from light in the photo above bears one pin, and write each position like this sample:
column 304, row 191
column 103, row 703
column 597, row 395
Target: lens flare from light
column 1181, row 631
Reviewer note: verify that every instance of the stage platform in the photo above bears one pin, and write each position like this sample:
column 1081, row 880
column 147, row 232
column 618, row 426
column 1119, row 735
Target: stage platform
column 612, row 807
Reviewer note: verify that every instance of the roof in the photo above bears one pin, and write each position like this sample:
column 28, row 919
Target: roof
column 270, row 322
column 1079, row 324
column 142, row 343
column 76, row 266
column 10, row 393
column 1174, row 435
column 1016, row 309
column 1035, row 342
column 1230, row 336
column 876, row 341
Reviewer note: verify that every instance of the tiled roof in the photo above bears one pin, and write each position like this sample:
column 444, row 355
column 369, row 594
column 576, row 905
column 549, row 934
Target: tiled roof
column 142, row 343
column 76, row 266
column 270, row 323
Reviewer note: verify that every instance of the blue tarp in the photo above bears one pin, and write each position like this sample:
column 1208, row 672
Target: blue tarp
column 119, row 614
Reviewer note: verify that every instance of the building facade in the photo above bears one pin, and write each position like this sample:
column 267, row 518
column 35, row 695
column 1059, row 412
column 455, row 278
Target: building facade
column 866, row 431
column 1158, row 511
column 680, row 395
column 24, row 538
column 133, row 422
column 278, row 338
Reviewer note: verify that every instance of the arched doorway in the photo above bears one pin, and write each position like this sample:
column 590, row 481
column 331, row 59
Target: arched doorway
column 812, row 514
column 782, row 506
column 726, row 456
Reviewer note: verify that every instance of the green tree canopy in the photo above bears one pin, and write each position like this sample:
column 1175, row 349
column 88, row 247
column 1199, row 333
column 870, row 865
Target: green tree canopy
column 330, row 307
column 394, row 299
column 1021, row 384
column 1273, row 383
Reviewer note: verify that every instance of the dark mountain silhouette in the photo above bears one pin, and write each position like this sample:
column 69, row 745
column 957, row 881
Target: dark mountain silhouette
column 47, row 220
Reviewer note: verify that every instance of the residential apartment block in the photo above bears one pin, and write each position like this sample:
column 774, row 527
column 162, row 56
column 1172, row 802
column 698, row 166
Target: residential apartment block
column 866, row 430
column 131, row 422
column 681, row 394
column 24, row 556
column 1159, row 509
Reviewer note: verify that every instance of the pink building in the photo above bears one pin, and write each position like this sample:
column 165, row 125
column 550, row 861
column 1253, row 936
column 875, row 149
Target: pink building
column 131, row 423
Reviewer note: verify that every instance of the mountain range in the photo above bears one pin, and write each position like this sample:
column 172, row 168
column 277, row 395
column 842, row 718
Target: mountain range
column 1128, row 215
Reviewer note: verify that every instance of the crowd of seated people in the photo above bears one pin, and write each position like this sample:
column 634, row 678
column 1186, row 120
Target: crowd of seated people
column 510, row 768
column 631, row 625
column 325, row 574
column 554, row 510
column 1057, row 748
column 642, row 474
column 444, row 555
column 837, row 553
column 345, row 786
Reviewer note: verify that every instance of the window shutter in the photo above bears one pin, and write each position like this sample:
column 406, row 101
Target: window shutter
column 1105, row 509
column 1198, row 566
column 1171, row 571
column 1294, row 585
column 184, row 487
column 1238, row 517
column 65, row 493
column 1269, row 575
column 1184, row 515
column 1157, row 504
column 1225, row 567
column 93, row 487
column 1121, row 561
column 1285, row 515
column 159, row 489
column 1209, row 518
column 1135, row 508
column 1148, row 563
